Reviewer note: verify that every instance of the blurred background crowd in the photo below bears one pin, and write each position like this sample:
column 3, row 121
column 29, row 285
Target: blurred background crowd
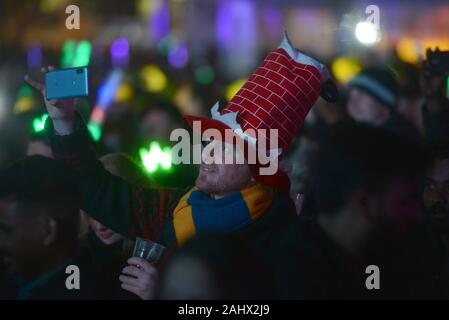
column 152, row 61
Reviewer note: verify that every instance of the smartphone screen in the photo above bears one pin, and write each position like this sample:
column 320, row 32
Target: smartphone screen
column 66, row 83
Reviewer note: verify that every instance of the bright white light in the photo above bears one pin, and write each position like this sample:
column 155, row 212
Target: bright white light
column 366, row 33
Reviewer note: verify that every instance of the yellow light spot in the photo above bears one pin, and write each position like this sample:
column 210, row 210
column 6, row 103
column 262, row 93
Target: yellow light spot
column 124, row 93
column 345, row 68
column 412, row 50
column 23, row 105
column 154, row 78
column 234, row 87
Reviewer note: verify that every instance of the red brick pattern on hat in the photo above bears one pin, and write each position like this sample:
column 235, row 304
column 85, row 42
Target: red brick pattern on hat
column 278, row 95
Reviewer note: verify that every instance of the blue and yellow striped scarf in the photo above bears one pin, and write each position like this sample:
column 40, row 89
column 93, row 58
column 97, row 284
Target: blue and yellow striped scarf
column 198, row 213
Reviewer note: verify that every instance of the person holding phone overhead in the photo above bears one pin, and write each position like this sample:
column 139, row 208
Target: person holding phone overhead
column 227, row 198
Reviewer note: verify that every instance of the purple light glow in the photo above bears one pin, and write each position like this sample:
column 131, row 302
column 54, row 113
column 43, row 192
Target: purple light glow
column 236, row 35
column 225, row 29
column 34, row 56
column 120, row 52
column 272, row 20
column 178, row 57
column 160, row 22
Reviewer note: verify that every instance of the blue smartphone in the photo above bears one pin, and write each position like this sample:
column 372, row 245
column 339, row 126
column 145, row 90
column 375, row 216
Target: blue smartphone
column 66, row 83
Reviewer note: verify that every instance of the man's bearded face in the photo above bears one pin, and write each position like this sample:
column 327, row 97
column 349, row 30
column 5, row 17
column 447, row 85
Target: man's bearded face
column 220, row 178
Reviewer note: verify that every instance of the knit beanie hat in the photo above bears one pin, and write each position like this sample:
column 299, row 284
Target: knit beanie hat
column 379, row 83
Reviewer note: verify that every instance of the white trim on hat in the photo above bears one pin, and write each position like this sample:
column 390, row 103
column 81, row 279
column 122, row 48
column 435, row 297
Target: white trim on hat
column 230, row 119
column 297, row 55
column 375, row 87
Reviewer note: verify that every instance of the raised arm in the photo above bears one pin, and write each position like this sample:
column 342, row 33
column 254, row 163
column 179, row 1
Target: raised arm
column 125, row 208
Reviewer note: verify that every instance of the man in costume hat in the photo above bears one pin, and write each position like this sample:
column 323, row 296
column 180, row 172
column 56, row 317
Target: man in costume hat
column 227, row 198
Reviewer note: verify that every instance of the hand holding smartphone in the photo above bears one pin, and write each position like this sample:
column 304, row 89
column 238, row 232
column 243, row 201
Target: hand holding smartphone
column 66, row 83
column 58, row 92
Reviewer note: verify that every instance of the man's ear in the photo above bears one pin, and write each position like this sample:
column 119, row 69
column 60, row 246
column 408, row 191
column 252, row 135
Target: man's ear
column 50, row 230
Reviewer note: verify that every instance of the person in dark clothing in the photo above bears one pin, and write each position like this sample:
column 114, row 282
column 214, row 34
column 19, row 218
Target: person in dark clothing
column 106, row 262
column 106, row 250
column 368, row 214
column 39, row 220
column 436, row 206
column 435, row 110
column 215, row 267
column 372, row 99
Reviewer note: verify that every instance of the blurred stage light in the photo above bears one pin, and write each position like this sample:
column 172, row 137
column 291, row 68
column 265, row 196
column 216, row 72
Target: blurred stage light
column 76, row 55
column 39, row 123
column 345, row 68
column 23, row 105
column 105, row 96
column 154, row 78
column 166, row 44
column 34, row 56
column 120, row 52
column 50, row 6
column 236, row 34
column 68, row 53
column 366, row 33
column 155, row 157
column 25, row 91
column 82, row 56
column 233, row 88
column 159, row 20
column 108, row 90
column 124, row 93
column 24, row 100
column 143, row 7
column 273, row 20
column 413, row 50
column 178, row 57
column 94, row 130
column 97, row 114
column 204, row 75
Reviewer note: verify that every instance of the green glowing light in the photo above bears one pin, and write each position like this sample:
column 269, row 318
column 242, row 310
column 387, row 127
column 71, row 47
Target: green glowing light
column 204, row 75
column 166, row 44
column 39, row 123
column 95, row 130
column 155, row 157
column 25, row 91
column 68, row 53
column 82, row 56
column 76, row 55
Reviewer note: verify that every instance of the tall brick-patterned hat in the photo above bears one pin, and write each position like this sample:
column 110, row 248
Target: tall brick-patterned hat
column 278, row 95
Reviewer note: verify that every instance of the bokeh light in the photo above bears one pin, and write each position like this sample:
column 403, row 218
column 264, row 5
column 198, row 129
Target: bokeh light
column 120, row 52
column 345, row 68
column 204, row 75
column 366, row 33
column 154, row 78
column 234, row 87
column 178, row 57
